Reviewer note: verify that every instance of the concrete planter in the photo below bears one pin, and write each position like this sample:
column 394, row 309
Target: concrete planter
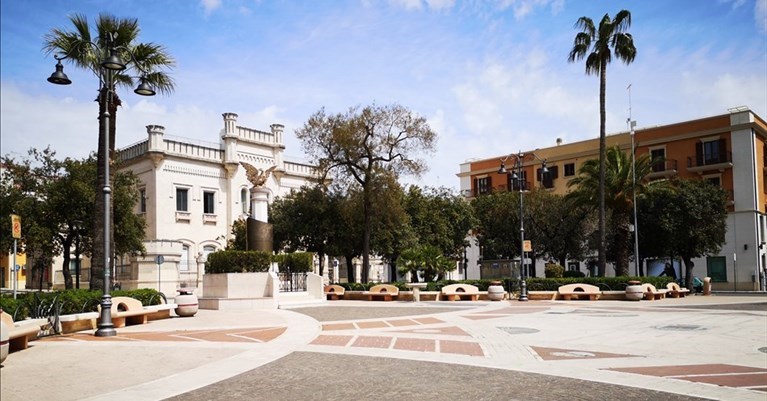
column 495, row 291
column 236, row 285
column 186, row 304
column 634, row 291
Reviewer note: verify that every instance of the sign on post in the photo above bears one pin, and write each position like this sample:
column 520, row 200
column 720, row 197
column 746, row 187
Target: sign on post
column 16, row 226
column 528, row 246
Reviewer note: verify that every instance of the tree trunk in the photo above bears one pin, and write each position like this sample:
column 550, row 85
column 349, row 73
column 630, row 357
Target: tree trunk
column 350, row 268
column 622, row 236
column 366, row 208
column 67, row 244
column 688, row 266
column 602, row 146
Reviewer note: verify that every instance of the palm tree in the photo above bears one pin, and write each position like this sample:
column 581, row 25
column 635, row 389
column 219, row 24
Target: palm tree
column 619, row 186
column 86, row 51
column 599, row 45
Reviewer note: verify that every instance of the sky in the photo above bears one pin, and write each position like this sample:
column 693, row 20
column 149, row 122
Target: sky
column 491, row 77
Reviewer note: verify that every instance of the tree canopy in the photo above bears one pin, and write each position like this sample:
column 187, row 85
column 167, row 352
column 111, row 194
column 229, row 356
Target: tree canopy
column 361, row 146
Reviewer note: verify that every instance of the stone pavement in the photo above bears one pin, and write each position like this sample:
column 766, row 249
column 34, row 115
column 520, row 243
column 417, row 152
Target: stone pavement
column 675, row 349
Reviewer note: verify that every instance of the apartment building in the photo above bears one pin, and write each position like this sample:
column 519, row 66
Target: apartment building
column 729, row 150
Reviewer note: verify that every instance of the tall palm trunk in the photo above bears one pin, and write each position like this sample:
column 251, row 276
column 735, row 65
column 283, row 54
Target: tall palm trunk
column 602, row 149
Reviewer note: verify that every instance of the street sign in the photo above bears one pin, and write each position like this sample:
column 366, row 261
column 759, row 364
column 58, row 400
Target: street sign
column 160, row 259
column 528, row 246
column 16, row 226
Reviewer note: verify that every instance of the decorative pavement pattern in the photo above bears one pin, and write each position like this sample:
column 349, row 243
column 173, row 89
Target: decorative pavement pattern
column 254, row 335
column 719, row 374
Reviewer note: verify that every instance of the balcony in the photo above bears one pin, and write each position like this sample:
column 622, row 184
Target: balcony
column 663, row 169
column 208, row 218
column 183, row 216
column 710, row 162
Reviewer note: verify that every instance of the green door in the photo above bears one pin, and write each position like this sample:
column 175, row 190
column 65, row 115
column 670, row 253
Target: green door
column 716, row 266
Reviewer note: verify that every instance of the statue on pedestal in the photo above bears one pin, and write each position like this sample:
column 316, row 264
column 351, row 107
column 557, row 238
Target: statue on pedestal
column 259, row 230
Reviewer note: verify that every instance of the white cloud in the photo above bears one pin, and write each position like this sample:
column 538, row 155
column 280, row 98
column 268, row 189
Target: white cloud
column 440, row 4
column 760, row 14
column 407, row 4
column 210, row 5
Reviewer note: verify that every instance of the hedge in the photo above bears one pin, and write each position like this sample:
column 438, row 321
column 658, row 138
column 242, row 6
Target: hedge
column 38, row 304
column 238, row 262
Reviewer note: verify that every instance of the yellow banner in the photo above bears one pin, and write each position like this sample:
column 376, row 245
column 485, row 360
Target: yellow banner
column 16, row 226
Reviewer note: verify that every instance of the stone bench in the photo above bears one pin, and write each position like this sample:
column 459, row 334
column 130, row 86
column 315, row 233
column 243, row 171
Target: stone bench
column 651, row 293
column 21, row 332
column 579, row 290
column 674, row 291
column 384, row 292
column 456, row 292
column 128, row 311
column 334, row 291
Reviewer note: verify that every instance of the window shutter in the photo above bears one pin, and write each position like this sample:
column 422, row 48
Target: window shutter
column 699, row 154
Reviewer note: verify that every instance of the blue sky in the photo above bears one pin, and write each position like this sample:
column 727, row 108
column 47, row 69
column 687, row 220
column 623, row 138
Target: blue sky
column 491, row 77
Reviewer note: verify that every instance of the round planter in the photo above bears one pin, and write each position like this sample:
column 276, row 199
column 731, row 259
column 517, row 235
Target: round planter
column 186, row 304
column 634, row 292
column 495, row 291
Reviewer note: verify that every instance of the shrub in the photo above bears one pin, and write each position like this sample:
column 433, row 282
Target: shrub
column 238, row 262
column 604, row 283
column 296, row 262
column 553, row 270
column 573, row 273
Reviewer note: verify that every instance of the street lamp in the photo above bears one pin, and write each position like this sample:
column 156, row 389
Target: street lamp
column 517, row 176
column 108, row 67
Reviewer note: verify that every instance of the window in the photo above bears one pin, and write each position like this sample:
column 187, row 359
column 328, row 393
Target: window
column 483, row 185
column 715, row 180
column 548, row 179
column 182, row 199
column 658, row 157
column 514, row 183
column 184, row 262
column 208, row 202
column 711, row 152
column 569, row 169
column 142, row 200
column 716, row 268
column 207, row 250
column 244, row 201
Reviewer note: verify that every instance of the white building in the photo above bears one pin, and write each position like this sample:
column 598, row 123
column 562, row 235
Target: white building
column 191, row 193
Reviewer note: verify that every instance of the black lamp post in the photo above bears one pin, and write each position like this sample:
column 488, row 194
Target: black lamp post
column 516, row 176
column 111, row 63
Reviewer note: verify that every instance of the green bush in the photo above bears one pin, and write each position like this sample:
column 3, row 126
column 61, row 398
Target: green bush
column 604, row 283
column 573, row 273
column 297, row 262
column 553, row 270
column 238, row 262
column 38, row 304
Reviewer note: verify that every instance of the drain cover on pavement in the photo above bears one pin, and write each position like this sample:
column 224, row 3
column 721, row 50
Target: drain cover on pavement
column 519, row 330
column 763, row 349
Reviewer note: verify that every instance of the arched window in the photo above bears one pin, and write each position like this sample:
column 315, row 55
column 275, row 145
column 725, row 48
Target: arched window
column 184, row 262
column 244, row 201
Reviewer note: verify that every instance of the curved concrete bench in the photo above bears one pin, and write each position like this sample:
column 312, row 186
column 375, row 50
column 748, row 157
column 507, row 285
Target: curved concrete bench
column 674, row 291
column 21, row 332
column 455, row 292
column 334, row 291
column 385, row 292
column 651, row 293
column 578, row 290
column 127, row 310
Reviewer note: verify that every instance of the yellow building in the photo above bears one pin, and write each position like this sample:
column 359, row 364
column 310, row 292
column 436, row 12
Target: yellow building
column 729, row 150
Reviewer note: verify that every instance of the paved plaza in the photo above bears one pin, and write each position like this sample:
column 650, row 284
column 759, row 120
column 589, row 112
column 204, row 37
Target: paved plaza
column 694, row 348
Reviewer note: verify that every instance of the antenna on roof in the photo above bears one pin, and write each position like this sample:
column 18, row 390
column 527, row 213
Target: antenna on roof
column 628, row 121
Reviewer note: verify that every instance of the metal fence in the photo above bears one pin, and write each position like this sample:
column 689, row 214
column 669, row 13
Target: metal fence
column 292, row 282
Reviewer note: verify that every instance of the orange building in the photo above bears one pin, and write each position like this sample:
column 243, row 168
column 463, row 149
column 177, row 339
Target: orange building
column 729, row 150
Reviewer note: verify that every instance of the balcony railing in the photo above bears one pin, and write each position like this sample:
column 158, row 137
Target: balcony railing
column 713, row 160
column 665, row 168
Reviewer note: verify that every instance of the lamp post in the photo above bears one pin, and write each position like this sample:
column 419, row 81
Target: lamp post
column 516, row 175
column 110, row 64
column 633, row 124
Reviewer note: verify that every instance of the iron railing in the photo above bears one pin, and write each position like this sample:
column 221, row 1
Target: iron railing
column 292, row 282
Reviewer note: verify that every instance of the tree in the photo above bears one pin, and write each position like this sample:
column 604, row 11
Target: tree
column 615, row 183
column 427, row 259
column 305, row 219
column 86, row 51
column 498, row 224
column 558, row 227
column 239, row 238
column 598, row 45
column 362, row 145
column 54, row 198
column 699, row 212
